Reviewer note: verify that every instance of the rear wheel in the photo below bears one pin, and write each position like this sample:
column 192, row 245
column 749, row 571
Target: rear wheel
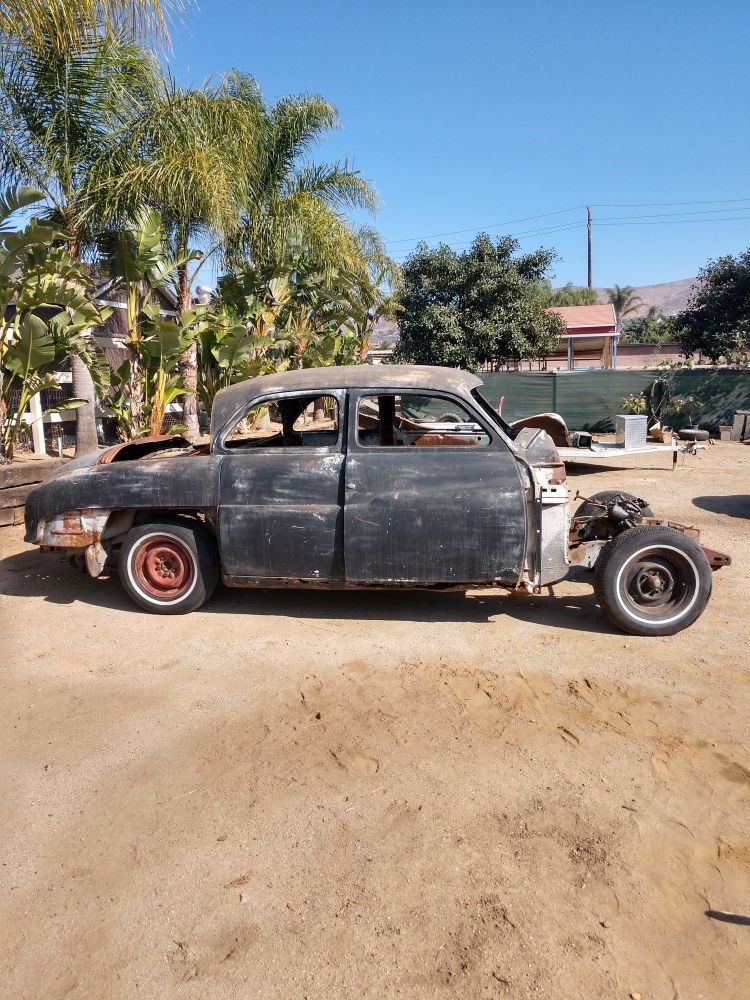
column 169, row 567
column 652, row 580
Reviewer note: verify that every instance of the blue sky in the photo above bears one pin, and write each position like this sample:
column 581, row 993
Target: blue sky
column 469, row 115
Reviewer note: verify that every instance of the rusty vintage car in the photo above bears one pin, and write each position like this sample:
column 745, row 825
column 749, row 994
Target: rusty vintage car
column 404, row 476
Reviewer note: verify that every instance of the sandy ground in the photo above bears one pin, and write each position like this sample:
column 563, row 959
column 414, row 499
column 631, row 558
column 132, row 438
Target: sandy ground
column 378, row 795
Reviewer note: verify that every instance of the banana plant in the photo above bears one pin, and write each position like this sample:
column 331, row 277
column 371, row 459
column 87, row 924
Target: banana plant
column 157, row 352
column 37, row 274
column 228, row 353
column 137, row 260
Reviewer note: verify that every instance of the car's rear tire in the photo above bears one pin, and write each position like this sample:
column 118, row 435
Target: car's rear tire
column 588, row 509
column 652, row 580
column 170, row 566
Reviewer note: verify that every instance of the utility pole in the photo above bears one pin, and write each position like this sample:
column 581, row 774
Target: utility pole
column 588, row 228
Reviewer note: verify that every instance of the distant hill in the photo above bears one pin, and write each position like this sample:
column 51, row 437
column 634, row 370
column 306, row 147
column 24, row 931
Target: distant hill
column 671, row 296
column 385, row 334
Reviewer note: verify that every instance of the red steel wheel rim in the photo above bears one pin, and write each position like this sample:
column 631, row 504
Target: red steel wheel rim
column 164, row 567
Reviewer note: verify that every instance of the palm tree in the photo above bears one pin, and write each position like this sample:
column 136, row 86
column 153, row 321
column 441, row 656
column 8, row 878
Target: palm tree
column 624, row 299
column 295, row 208
column 188, row 153
column 223, row 168
column 69, row 24
column 60, row 114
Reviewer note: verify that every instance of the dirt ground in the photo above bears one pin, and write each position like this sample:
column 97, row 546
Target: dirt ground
column 378, row 795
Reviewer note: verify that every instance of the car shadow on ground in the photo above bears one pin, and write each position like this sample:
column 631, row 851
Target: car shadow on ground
column 38, row 574
column 735, row 506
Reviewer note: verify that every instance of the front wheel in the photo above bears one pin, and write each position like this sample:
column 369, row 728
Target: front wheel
column 169, row 567
column 652, row 580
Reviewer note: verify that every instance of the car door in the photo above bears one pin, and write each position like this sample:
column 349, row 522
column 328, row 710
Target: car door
column 433, row 493
column 280, row 510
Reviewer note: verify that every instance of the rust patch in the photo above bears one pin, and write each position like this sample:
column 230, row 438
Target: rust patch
column 73, row 529
column 716, row 559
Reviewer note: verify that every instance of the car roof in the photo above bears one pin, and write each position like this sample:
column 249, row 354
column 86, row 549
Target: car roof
column 421, row 377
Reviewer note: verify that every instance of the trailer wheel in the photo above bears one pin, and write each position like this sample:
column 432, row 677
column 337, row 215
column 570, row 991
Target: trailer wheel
column 652, row 580
column 588, row 509
column 169, row 567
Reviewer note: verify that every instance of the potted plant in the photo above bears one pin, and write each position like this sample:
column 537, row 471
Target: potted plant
column 688, row 407
column 634, row 403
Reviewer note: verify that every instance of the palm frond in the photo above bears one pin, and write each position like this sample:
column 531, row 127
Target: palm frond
column 335, row 184
column 68, row 25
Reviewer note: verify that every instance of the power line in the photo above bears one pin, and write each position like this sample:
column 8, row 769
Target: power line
column 670, row 215
column 612, row 221
column 475, row 229
column 519, row 236
column 666, row 204
column 564, row 211
column 672, row 222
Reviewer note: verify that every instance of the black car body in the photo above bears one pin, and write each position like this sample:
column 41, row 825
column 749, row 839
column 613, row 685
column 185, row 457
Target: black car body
column 409, row 479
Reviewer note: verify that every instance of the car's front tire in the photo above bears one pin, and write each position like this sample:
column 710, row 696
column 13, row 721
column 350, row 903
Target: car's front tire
column 169, row 567
column 652, row 580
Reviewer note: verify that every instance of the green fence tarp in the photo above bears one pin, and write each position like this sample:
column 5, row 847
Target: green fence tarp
column 589, row 400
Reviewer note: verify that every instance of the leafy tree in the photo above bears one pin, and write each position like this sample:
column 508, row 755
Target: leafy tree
column 306, row 315
column 482, row 306
column 298, row 320
column 717, row 319
column 653, row 328
column 568, row 295
column 624, row 299
column 156, row 359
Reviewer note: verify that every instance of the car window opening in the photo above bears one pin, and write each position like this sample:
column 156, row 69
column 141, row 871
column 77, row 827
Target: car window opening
column 410, row 419
column 309, row 421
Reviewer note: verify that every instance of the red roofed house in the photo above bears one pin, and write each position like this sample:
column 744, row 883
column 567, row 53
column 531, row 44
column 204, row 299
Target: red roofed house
column 591, row 339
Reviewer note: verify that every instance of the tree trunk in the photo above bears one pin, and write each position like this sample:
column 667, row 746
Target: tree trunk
column 83, row 385
column 83, row 388
column 188, row 363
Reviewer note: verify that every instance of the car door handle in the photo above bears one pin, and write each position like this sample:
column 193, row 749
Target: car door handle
column 351, row 486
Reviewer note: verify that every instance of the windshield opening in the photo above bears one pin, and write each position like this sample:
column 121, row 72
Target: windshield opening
column 489, row 409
